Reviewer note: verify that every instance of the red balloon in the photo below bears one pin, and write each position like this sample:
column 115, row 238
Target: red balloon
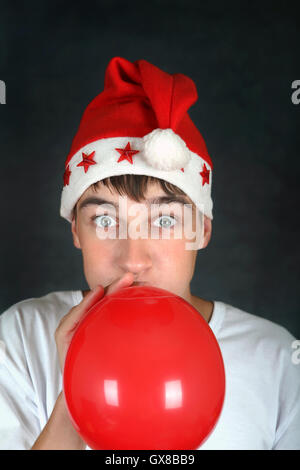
column 144, row 371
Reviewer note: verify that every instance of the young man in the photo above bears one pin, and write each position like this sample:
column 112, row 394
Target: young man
column 137, row 144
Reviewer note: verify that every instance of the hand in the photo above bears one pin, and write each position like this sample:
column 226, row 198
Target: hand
column 69, row 323
column 59, row 432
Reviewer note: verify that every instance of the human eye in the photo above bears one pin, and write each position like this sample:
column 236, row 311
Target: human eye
column 104, row 221
column 169, row 221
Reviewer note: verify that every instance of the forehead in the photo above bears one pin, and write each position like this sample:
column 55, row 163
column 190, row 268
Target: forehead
column 153, row 190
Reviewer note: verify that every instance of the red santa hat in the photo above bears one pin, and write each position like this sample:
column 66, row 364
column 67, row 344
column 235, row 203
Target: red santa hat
column 139, row 125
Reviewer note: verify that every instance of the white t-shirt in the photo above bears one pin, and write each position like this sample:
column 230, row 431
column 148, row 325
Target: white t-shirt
column 262, row 402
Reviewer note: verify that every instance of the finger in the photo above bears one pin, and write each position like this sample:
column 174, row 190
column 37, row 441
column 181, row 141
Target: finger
column 70, row 321
column 126, row 280
column 92, row 297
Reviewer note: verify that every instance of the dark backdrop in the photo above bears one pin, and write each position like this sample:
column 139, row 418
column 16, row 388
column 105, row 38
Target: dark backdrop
column 243, row 58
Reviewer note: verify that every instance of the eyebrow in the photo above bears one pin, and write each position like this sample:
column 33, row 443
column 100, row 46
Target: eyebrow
column 93, row 200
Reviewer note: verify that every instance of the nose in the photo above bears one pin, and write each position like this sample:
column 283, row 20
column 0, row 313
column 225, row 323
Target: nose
column 135, row 257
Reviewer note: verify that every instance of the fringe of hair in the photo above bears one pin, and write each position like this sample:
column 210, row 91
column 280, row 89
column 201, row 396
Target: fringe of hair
column 133, row 186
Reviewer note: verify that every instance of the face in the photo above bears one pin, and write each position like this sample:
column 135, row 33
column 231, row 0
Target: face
column 162, row 261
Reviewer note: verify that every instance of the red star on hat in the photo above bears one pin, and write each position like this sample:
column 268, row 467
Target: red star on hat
column 205, row 175
column 87, row 160
column 127, row 153
column 67, row 176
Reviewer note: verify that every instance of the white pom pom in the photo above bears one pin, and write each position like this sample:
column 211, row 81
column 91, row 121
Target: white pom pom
column 165, row 150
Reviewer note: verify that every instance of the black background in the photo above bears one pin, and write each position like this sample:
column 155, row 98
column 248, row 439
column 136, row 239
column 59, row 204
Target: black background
column 243, row 57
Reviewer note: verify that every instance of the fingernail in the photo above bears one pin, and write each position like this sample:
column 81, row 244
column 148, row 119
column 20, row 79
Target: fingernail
column 95, row 289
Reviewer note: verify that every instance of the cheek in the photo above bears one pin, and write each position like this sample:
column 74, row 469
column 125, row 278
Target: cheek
column 97, row 254
column 98, row 263
column 174, row 255
column 175, row 266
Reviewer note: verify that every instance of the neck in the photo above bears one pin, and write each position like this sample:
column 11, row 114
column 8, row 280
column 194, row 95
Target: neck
column 204, row 307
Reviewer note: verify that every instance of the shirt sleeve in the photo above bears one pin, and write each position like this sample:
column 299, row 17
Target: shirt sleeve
column 19, row 420
column 287, row 435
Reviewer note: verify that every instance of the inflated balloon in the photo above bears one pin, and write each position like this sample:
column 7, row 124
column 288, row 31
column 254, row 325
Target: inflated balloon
column 144, row 371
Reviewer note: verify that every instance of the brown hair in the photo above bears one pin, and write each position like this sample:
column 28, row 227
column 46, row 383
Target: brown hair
column 134, row 186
